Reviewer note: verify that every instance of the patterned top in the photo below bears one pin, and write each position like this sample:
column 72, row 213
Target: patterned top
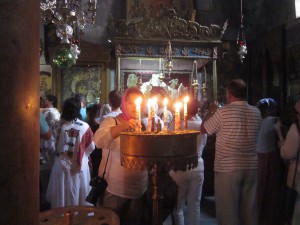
column 74, row 139
column 236, row 126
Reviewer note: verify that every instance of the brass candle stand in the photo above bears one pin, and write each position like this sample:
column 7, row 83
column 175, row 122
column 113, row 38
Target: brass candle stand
column 156, row 152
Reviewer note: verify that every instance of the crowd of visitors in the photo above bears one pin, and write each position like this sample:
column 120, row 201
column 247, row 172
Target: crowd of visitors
column 256, row 157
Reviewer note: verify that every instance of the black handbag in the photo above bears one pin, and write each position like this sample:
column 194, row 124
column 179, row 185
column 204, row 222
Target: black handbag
column 99, row 185
column 291, row 195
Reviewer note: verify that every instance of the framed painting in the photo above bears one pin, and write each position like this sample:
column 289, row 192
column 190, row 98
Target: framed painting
column 81, row 80
column 138, row 9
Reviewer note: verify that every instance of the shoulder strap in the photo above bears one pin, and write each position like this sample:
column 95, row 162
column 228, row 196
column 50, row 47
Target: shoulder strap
column 108, row 154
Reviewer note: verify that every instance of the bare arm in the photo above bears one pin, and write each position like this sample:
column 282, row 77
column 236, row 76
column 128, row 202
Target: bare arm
column 125, row 126
column 212, row 109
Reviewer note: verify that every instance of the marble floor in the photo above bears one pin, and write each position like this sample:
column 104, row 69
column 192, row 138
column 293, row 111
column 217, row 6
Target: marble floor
column 208, row 214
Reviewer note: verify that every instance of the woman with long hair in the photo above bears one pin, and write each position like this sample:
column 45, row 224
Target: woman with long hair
column 70, row 175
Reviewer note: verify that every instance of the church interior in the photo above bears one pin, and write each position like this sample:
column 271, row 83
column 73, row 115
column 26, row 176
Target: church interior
column 174, row 47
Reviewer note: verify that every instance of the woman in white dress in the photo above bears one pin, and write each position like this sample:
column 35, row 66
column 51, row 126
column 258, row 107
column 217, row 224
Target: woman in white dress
column 70, row 175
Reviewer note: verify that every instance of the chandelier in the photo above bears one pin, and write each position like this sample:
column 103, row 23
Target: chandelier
column 241, row 40
column 69, row 16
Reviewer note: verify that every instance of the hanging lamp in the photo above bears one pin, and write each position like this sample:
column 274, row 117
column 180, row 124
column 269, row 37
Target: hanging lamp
column 169, row 53
column 241, row 40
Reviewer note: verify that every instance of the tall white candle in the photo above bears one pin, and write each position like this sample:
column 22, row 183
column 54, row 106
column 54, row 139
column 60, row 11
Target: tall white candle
column 178, row 105
column 153, row 125
column 138, row 102
column 185, row 101
column 149, row 104
column 165, row 102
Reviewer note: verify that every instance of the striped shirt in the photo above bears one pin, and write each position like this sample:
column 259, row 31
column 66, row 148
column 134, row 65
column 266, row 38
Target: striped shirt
column 236, row 126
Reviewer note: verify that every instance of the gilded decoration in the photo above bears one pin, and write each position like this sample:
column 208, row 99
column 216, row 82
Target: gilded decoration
column 86, row 84
column 169, row 26
column 171, row 163
column 123, row 49
column 169, row 150
column 171, row 43
column 82, row 80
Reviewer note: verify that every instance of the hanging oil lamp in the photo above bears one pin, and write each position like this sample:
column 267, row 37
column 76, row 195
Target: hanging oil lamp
column 204, row 85
column 169, row 65
column 195, row 83
column 241, row 40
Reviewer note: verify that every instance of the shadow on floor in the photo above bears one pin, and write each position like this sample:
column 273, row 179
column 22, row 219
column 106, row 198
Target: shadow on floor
column 208, row 212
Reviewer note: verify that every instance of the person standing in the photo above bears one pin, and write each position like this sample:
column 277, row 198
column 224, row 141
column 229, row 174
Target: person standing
column 124, row 193
column 236, row 126
column 113, row 108
column 82, row 99
column 45, row 132
column 70, row 175
column 47, row 152
column 290, row 151
column 52, row 116
column 45, row 135
column 50, row 110
column 96, row 155
column 271, row 168
column 190, row 182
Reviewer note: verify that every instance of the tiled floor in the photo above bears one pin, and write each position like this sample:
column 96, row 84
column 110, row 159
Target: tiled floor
column 208, row 214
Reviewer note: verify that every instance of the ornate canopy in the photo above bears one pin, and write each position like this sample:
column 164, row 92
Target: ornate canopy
column 149, row 36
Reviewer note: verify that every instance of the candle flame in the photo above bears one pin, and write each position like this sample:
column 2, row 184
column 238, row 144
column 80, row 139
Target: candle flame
column 178, row 105
column 165, row 102
column 186, row 99
column 138, row 101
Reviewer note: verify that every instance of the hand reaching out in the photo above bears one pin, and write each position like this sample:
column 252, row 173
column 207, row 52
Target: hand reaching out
column 129, row 125
column 213, row 107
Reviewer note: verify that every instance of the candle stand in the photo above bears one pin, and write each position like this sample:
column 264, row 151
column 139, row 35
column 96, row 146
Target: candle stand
column 156, row 152
column 78, row 215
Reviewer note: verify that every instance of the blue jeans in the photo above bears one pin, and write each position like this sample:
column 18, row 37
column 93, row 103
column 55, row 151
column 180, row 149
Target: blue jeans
column 189, row 191
column 235, row 194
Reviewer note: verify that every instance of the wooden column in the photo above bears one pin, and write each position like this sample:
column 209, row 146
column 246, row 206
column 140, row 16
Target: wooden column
column 19, row 120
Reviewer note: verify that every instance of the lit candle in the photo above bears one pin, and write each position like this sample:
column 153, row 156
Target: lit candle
column 177, row 115
column 165, row 102
column 149, row 104
column 154, row 103
column 185, row 101
column 138, row 102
